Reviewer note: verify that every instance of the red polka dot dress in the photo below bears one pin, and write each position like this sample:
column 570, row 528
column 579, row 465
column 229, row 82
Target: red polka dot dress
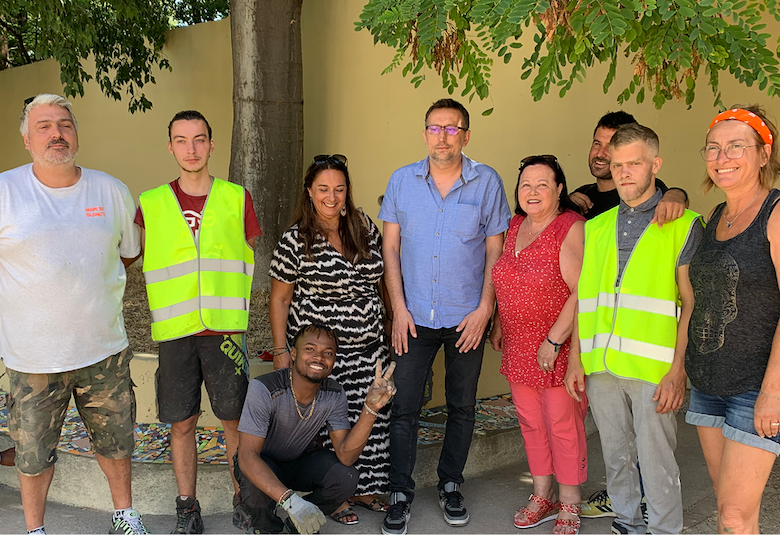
column 531, row 292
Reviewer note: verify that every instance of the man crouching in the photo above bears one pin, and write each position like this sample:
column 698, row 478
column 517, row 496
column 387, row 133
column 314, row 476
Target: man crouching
column 277, row 452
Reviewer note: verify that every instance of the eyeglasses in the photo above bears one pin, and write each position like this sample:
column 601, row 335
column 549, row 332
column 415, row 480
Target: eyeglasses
column 530, row 160
column 338, row 159
column 710, row 153
column 436, row 129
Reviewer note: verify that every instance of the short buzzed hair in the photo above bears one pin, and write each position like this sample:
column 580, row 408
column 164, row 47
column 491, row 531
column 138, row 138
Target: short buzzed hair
column 189, row 115
column 448, row 103
column 316, row 328
column 632, row 132
column 45, row 99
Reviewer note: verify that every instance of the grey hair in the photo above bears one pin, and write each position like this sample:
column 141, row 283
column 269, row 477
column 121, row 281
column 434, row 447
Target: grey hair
column 45, row 99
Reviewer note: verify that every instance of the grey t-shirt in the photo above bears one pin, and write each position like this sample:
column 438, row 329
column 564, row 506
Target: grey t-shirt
column 269, row 412
column 632, row 222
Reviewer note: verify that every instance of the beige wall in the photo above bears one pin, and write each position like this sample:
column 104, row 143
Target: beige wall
column 349, row 108
column 134, row 147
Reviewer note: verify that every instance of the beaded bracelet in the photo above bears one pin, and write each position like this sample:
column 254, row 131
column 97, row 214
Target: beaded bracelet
column 284, row 497
column 370, row 410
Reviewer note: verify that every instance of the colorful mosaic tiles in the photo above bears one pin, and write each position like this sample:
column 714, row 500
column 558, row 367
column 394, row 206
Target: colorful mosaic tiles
column 153, row 442
column 492, row 414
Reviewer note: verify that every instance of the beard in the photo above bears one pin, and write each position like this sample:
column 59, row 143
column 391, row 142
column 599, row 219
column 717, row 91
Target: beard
column 57, row 152
column 302, row 370
column 444, row 158
column 636, row 191
column 600, row 174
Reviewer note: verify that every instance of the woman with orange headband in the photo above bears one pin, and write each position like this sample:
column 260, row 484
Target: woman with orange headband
column 733, row 355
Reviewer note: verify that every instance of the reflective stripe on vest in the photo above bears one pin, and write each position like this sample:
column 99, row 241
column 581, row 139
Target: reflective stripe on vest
column 630, row 331
column 196, row 303
column 631, row 302
column 191, row 266
column 193, row 287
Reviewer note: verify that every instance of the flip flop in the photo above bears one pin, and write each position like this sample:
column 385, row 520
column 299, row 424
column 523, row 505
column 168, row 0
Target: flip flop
column 375, row 505
column 342, row 517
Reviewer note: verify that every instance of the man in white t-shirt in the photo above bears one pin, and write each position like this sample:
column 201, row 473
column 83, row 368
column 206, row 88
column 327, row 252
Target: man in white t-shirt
column 66, row 235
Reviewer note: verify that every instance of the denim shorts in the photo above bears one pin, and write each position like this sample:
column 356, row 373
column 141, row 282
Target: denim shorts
column 733, row 414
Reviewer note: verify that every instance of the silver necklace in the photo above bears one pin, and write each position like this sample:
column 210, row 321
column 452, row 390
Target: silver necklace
column 517, row 253
column 297, row 407
column 729, row 223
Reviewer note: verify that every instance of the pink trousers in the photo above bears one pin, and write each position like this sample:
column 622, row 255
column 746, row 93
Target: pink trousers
column 553, row 427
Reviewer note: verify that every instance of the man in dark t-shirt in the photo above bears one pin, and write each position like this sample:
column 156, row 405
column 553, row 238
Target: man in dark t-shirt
column 596, row 198
column 282, row 417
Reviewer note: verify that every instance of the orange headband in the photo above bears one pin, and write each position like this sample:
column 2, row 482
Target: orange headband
column 748, row 117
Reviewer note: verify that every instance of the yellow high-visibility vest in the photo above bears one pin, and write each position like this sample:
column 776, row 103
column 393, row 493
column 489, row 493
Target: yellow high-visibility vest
column 630, row 330
column 197, row 286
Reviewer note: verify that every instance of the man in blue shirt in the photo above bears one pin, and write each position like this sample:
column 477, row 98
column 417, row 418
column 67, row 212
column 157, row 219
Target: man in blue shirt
column 448, row 214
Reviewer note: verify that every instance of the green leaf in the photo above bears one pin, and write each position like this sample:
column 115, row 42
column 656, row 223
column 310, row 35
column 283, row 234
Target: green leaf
column 671, row 38
column 487, row 112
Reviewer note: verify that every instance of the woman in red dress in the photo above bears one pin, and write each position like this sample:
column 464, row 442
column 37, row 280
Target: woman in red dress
column 536, row 289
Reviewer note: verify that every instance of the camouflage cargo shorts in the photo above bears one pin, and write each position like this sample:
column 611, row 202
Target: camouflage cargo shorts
column 103, row 394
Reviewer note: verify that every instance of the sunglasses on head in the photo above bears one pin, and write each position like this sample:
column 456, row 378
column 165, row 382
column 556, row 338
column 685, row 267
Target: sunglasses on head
column 338, row 159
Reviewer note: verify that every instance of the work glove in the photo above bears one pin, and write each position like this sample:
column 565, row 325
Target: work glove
column 306, row 516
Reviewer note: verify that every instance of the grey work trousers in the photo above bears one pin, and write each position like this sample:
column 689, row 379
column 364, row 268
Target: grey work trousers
column 630, row 428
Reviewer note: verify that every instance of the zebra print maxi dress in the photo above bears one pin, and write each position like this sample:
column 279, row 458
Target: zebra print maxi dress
column 333, row 291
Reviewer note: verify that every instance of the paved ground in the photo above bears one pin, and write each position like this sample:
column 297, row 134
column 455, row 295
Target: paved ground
column 491, row 499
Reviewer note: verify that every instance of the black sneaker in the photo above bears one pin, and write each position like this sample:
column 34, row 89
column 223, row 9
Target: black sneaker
column 398, row 515
column 451, row 502
column 188, row 518
column 241, row 517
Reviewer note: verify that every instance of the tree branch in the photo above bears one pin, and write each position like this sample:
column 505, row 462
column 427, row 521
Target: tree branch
column 19, row 38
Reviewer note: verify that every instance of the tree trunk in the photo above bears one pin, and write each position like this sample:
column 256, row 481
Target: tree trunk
column 267, row 147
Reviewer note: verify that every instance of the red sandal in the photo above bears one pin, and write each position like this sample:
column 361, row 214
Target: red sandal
column 568, row 527
column 529, row 519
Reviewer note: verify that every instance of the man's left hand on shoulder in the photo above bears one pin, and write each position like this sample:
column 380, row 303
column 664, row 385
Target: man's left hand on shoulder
column 670, row 392
column 671, row 207
column 471, row 329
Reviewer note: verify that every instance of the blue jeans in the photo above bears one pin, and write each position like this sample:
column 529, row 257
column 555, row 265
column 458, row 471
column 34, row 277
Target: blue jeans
column 460, row 386
column 733, row 414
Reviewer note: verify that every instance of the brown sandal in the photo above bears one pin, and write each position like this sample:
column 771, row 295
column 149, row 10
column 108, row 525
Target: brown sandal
column 342, row 517
column 376, row 505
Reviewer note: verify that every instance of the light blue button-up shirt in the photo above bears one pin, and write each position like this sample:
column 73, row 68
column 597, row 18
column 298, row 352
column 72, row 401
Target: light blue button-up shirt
column 443, row 240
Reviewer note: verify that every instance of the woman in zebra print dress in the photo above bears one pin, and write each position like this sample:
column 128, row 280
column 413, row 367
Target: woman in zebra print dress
column 327, row 268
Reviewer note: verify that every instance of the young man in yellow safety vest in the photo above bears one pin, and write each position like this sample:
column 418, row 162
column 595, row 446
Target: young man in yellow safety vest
column 634, row 305
column 198, row 236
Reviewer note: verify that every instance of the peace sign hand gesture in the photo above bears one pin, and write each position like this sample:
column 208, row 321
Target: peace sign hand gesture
column 382, row 389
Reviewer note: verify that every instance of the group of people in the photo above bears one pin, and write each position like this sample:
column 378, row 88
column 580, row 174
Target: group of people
column 608, row 297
